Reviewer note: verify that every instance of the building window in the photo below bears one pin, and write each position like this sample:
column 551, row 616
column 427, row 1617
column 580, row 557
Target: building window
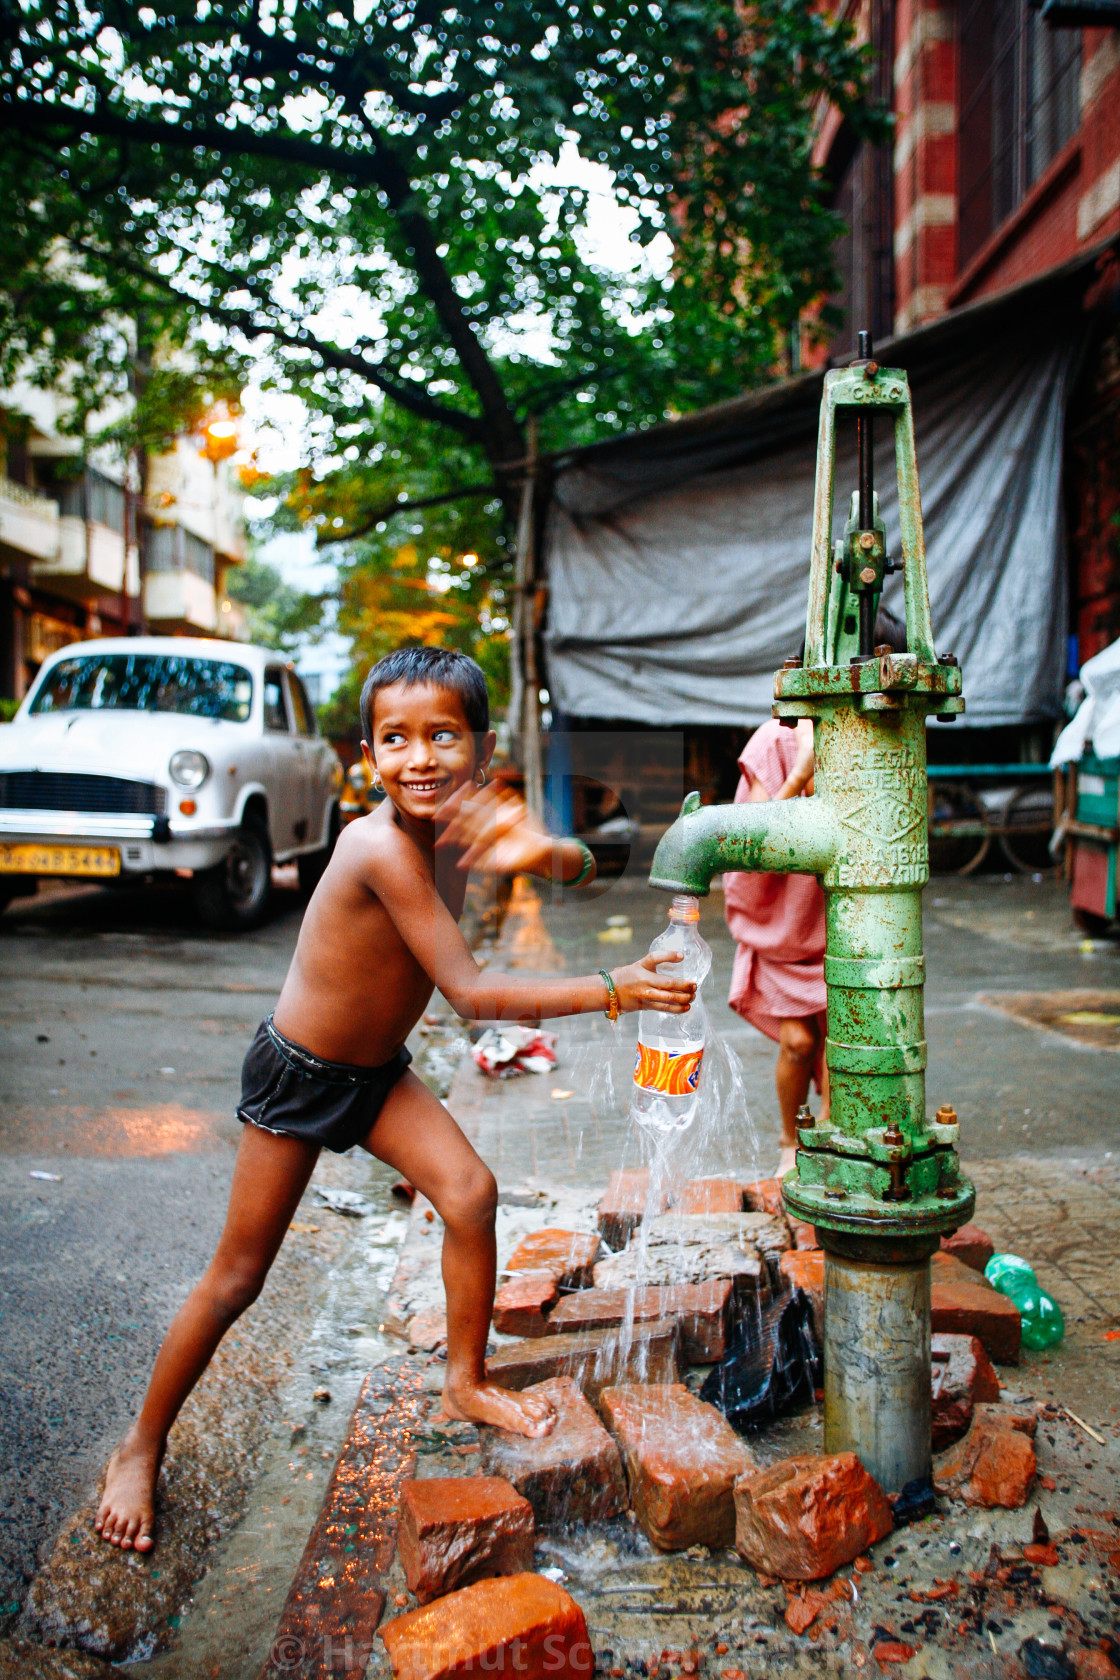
column 1019, row 107
column 198, row 557
column 93, row 497
column 169, row 548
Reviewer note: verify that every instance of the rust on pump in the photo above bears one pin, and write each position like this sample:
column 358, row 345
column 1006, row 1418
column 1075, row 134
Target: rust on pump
column 880, row 1181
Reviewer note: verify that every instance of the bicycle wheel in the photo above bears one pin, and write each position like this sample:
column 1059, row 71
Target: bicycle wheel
column 1028, row 823
column 959, row 831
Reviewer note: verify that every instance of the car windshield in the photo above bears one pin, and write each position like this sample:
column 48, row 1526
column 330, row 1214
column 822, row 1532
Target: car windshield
column 147, row 682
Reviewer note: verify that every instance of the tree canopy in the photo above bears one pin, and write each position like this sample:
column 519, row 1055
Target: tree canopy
column 373, row 196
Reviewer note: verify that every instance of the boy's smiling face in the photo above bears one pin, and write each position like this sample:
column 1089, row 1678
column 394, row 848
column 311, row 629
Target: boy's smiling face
column 423, row 748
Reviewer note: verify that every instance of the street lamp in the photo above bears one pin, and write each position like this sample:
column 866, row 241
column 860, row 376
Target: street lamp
column 219, row 439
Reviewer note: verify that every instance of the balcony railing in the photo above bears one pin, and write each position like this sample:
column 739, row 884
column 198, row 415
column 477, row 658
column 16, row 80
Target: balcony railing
column 29, row 522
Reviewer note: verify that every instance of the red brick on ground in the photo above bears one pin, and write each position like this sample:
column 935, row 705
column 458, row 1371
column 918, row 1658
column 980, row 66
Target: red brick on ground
column 428, row 1329
column 1093, row 1665
column 892, row 1651
column 592, row 1358
column 804, row 1235
column 702, row 1310
column 459, row 1529
column 765, row 1196
column 804, row 1267
column 805, row 1517
column 994, row 1466
column 682, row 1458
column 694, row 1248
column 965, row 1304
column 522, row 1302
column 962, row 1374
column 573, row 1474
column 709, row 1195
column 624, row 1205
column 1008, row 1414
column 971, row 1246
column 522, row 1625
column 569, row 1255
column 803, row 1610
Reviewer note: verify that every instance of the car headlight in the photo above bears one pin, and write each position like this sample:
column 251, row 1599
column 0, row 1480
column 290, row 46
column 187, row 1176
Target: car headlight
column 189, row 769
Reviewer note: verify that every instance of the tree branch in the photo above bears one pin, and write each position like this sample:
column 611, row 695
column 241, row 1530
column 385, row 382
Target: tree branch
column 377, row 167
column 425, row 408
column 323, row 539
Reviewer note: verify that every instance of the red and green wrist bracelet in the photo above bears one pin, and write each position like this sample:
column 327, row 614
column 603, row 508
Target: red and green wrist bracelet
column 611, row 1011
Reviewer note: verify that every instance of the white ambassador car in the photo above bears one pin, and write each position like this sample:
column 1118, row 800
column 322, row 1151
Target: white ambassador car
column 132, row 758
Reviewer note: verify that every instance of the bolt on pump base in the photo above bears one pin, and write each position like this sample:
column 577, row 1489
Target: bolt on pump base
column 879, row 1180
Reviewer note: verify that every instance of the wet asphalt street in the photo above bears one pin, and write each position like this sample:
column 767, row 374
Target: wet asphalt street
column 124, row 1026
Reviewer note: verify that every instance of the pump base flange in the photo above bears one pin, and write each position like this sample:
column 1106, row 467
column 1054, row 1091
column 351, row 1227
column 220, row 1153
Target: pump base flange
column 863, row 1227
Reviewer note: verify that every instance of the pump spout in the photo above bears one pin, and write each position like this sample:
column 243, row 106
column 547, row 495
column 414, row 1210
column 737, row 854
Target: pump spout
column 790, row 837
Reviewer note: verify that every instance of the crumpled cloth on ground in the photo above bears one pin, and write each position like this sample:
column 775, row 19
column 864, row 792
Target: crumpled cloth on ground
column 504, row 1052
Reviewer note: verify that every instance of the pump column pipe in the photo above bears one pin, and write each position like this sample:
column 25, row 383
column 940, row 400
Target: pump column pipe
column 880, row 1181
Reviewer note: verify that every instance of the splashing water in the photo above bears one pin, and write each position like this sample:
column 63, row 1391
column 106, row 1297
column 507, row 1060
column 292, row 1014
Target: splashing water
column 720, row 1141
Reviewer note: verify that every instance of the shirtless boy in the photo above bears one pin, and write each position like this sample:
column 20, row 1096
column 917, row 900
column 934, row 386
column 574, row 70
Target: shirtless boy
column 328, row 1069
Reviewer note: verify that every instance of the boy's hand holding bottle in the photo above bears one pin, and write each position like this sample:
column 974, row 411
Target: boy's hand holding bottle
column 639, row 986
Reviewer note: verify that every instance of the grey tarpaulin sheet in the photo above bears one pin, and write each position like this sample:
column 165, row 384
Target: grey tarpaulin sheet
column 678, row 583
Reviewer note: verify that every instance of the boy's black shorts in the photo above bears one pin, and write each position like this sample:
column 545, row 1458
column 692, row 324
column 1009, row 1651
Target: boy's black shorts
column 284, row 1088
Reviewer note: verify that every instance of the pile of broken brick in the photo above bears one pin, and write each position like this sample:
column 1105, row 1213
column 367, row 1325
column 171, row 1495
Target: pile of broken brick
column 610, row 1326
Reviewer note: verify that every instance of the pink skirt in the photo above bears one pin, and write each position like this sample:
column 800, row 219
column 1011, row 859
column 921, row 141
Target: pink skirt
column 766, row 993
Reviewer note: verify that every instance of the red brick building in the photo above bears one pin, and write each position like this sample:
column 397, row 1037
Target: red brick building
column 1005, row 165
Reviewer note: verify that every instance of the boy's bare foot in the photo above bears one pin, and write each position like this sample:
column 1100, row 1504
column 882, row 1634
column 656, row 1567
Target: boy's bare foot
column 787, row 1160
column 126, row 1512
column 520, row 1414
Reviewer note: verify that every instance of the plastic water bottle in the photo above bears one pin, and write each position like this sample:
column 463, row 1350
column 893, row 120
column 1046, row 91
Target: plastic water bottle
column 667, row 1069
column 1042, row 1323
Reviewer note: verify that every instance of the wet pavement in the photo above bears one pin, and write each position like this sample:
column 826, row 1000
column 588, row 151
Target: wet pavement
column 124, row 1029
column 144, row 1156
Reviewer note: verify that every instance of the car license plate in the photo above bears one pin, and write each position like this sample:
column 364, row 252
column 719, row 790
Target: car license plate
column 25, row 858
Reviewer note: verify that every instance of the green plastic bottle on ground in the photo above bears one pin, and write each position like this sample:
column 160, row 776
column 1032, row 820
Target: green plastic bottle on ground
column 1042, row 1323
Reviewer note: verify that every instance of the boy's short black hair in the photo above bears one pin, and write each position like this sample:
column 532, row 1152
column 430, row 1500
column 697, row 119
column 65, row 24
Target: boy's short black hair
column 443, row 668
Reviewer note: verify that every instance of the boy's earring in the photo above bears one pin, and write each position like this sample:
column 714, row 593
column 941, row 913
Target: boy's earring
column 376, row 778
column 480, row 776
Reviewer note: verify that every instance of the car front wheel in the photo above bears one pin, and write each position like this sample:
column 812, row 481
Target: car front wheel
column 234, row 894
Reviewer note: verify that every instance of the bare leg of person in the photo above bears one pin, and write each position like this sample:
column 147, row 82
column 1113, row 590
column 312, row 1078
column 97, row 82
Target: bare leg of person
column 416, row 1135
column 269, row 1178
column 798, row 1045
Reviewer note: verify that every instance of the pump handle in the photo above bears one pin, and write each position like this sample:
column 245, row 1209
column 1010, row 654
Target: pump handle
column 865, row 443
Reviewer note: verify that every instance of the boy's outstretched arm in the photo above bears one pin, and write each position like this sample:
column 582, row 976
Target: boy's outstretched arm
column 494, row 831
column 395, row 872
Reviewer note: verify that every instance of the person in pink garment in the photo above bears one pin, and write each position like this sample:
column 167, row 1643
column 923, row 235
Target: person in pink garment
column 777, row 922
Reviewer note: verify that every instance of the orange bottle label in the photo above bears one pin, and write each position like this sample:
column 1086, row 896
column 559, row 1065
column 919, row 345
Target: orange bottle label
column 675, row 1073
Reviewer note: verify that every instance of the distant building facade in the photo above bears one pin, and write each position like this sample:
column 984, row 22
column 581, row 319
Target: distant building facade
column 1004, row 165
column 107, row 545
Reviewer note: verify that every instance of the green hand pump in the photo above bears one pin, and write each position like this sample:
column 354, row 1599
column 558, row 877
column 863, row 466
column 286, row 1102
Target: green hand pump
column 880, row 1181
